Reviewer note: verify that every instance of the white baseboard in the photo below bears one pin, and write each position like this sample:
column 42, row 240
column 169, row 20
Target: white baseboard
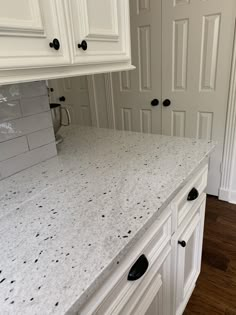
column 227, row 195
column 224, row 194
column 232, row 197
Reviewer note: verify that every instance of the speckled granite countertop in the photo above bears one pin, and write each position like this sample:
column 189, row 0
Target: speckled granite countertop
column 65, row 223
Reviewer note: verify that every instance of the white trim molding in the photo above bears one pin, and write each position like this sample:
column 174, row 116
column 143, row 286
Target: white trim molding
column 227, row 190
column 93, row 101
column 110, row 100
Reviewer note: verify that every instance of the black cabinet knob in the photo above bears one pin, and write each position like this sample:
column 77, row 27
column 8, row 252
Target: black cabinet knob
column 166, row 103
column 155, row 102
column 193, row 194
column 182, row 243
column 138, row 269
column 55, row 44
column 83, row 45
column 62, row 99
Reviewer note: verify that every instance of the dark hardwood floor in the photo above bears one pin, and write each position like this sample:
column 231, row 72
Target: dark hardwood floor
column 215, row 292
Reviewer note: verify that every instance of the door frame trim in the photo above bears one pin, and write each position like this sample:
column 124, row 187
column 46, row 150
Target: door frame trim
column 110, row 100
column 93, row 101
column 226, row 191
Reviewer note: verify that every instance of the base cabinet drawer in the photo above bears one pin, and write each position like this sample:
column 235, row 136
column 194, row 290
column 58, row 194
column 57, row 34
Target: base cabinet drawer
column 142, row 280
column 149, row 297
column 187, row 198
column 187, row 248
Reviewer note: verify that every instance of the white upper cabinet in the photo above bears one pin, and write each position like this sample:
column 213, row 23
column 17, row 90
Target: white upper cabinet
column 99, row 30
column 27, row 27
column 46, row 39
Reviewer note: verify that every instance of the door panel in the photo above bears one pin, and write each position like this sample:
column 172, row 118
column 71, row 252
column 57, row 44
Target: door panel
column 134, row 90
column 87, row 97
column 180, row 39
column 196, row 58
column 26, row 29
column 102, row 24
column 75, row 91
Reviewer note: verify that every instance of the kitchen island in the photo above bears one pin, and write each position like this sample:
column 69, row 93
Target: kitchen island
column 67, row 224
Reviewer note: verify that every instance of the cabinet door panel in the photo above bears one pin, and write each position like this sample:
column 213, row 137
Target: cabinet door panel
column 189, row 257
column 26, row 29
column 104, row 25
column 154, row 308
column 151, row 296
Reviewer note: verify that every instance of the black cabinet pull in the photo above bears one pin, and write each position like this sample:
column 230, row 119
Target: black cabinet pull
column 138, row 269
column 83, row 45
column 182, row 243
column 55, row 44
column 166, row 103
column 193, row 194
column 155, row 102
column 62, row 99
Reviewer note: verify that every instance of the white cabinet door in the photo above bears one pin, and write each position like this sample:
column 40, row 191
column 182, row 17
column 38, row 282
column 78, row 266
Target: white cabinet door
column 188, row 247
column 26, row 29
column 104, row 26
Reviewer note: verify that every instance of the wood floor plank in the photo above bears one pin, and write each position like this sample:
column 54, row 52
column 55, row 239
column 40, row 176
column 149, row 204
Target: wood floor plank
column 215, row 292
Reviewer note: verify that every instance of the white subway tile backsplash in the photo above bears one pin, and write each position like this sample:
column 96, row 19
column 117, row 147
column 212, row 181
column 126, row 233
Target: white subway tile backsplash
column 27, row 159
column 34, row 105
column 25, row 125
column 9, row 110
column 31, row 89
column 10, row 92
column 26, row 132
column 13, row 147
column 40, row 138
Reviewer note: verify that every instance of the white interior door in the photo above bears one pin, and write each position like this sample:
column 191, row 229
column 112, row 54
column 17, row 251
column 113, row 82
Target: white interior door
column 26, row 29
column 134, row 90
column 196, row 57
column 76, row 98
column 192, row 71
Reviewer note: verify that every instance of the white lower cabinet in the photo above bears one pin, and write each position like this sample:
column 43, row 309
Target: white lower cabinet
column 173, row 250
column 186, row 256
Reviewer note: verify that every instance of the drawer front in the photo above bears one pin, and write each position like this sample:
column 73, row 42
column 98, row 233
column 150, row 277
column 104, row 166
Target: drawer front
column 136, row 298
column 114, row 296
column 182, row 203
